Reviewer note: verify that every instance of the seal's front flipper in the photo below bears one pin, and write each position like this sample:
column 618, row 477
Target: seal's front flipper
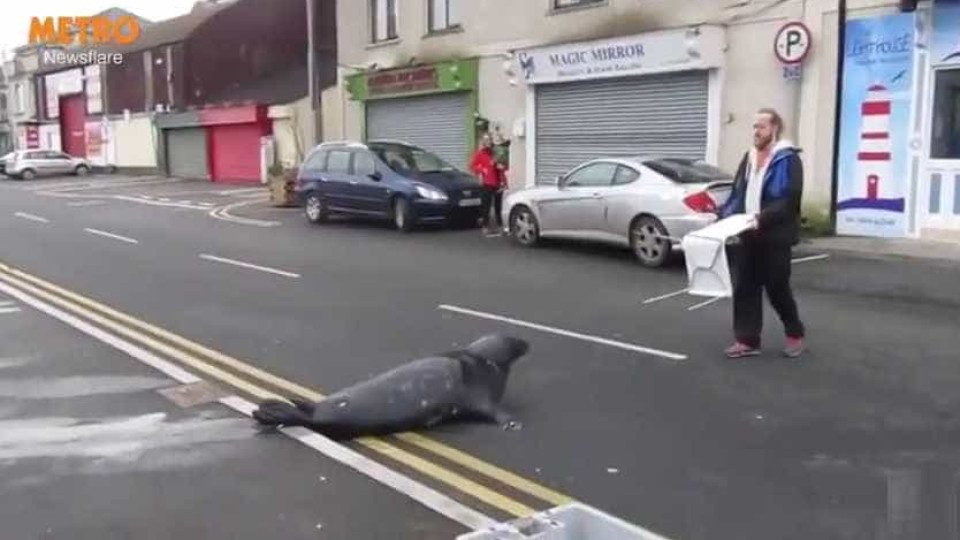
column 304, row 406
column 502, row 418
column 274, row 412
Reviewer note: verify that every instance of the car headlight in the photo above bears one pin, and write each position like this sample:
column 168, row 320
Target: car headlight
column 431, row 194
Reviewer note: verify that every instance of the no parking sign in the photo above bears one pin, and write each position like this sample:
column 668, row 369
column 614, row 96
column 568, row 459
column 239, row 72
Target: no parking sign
column 791, row 46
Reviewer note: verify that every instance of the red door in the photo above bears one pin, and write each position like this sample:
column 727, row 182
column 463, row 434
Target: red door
column 235, row 152
column 72, row 118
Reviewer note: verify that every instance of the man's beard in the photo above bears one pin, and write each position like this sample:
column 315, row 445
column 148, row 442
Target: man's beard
column 762, row 144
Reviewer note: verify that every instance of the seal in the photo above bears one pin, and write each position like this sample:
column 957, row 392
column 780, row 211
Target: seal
column 465, row 384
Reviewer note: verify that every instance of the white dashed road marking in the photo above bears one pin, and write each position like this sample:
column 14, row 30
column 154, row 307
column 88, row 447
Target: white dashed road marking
column 31, row 217
column 567, row 333
column 106, row 234
column 249, row 265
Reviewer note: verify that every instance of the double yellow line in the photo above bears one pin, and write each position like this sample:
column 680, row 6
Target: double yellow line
column 252, row 381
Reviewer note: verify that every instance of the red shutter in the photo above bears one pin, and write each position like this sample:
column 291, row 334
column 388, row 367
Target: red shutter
column 72, row 125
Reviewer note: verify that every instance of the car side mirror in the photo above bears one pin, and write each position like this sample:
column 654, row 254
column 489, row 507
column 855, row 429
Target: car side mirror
column 376, row 176
column 559, row 182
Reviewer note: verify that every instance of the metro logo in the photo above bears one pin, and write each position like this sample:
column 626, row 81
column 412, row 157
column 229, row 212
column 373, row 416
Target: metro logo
column 122, row 31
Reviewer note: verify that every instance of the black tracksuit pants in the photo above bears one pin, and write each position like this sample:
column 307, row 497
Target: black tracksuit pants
column 491, row 197
column 763, row 266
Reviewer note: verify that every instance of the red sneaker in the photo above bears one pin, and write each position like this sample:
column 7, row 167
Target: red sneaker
column 795, row 348
column 740, row 350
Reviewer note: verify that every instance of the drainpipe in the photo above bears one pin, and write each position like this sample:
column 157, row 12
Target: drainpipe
column 838, row 112
column 311, row 72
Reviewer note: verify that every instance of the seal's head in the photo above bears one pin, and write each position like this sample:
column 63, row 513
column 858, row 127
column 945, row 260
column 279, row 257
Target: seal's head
column 499, row 349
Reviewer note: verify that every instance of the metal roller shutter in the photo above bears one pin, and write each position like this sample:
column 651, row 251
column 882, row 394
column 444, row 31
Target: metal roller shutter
column 187, row 153
column 649, row 115
column 437, row 123
column 235, row 152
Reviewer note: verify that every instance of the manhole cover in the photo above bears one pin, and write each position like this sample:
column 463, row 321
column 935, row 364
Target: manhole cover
column 191, row 395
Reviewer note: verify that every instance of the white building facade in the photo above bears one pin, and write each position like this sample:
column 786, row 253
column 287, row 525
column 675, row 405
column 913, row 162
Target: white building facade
column 569, row 80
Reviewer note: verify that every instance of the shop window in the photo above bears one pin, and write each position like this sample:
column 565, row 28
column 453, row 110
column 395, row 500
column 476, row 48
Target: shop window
column 560, row 5
column 444, row 15
column 945, row 137
column 383, row 20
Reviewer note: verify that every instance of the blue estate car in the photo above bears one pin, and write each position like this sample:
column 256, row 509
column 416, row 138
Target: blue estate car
column 388, row 180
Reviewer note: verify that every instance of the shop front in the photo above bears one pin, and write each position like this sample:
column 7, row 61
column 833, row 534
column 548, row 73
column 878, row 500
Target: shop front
column 647, row 94
column 431, row 106
column 899, row 148
column 938, row 205
column 217, row 144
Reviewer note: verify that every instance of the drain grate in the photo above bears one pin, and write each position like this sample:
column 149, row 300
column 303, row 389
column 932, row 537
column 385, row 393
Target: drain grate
column 191, row 395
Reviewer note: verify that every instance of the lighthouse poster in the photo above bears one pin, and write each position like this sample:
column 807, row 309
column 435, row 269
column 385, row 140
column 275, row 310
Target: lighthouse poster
column 875, row 122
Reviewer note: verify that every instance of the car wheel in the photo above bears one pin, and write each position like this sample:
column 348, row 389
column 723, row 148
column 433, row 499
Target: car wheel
column 315, row 209
column 524, row 227
column 28, row 174
column 650, row 243
column 403, row 215
column 82, row 170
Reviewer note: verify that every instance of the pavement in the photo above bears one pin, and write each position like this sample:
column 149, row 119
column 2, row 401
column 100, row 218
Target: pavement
column 626, row 402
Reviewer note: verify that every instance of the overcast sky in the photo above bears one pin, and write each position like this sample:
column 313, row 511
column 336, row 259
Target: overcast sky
column 15, row 19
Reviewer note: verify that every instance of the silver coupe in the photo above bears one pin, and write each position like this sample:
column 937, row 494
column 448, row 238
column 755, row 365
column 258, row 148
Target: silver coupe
column 646, row 204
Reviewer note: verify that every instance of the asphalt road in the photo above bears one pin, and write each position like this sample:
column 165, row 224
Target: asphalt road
column 857, row 440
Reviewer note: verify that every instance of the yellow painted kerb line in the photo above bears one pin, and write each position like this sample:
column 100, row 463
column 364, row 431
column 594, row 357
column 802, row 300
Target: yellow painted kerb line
column 456, row 456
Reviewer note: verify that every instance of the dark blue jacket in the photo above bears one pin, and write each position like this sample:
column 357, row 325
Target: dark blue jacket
column 779, row 219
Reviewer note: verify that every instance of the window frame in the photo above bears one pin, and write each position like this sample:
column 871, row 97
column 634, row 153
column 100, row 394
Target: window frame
column 939, row 149
column 373, row 21
column 555, row 8
column 447, row 26
column 20, row 98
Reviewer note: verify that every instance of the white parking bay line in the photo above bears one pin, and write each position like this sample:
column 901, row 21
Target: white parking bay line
column 9, row 310
column 106, row 234
column 664, row 297
column 567, row 333
column 709, row 302
column 810, row 259
column 249, row 265
column 86, row 203
column 31, row 217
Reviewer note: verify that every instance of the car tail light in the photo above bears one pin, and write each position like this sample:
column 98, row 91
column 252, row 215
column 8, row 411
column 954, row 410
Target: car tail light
column 701, row 202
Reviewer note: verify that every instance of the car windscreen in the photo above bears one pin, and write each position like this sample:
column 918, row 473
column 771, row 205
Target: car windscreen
column 688, row 171
column 407, row 159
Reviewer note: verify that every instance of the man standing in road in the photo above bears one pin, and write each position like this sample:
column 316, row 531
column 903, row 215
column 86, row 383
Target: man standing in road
column 769, row 187
column 484, row 165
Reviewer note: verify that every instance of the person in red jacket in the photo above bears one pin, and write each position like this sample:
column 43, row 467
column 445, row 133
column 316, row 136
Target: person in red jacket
column 491, row 176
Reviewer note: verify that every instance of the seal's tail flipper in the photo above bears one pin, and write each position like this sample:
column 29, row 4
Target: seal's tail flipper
column 273, row 412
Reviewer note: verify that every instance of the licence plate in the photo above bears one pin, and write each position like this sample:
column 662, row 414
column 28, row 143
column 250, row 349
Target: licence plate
column 470, row 202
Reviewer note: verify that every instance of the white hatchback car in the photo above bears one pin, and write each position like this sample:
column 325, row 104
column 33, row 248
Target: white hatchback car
column 28, row 164
column 648, row 204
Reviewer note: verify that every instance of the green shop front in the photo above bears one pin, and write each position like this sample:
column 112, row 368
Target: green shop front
column 431, row 106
